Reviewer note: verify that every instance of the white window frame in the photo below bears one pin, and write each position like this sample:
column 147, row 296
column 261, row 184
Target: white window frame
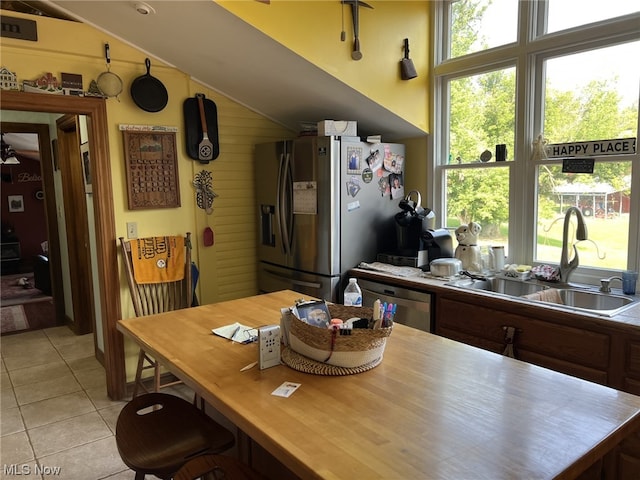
column 527, row 54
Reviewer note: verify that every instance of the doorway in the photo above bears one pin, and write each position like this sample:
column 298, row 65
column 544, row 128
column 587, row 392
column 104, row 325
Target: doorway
column 106, row 248
column 35, row 297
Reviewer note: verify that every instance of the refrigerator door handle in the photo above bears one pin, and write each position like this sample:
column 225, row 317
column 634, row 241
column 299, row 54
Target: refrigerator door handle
column 285, row 198
column 293, row 281
column 281, row 205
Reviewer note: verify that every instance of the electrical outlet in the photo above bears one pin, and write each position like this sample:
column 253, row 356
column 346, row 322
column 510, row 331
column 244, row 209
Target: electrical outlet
column 132, row 230
column 269, row 350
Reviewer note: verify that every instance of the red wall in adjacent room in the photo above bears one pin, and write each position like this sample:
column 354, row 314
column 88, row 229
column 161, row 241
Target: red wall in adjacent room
column 29, row 226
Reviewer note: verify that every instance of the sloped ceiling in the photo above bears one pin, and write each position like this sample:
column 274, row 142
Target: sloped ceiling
column 228, row 55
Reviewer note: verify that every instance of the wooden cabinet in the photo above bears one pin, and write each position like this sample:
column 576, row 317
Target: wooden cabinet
column 575, row 351
column 631, row 371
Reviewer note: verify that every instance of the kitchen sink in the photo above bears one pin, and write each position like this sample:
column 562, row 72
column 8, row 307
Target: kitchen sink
column 571, row 298
column 514, row 288
column 596, row 302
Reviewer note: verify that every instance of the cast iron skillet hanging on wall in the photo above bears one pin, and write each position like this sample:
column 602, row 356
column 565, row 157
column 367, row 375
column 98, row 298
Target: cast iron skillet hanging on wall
column 148, row 92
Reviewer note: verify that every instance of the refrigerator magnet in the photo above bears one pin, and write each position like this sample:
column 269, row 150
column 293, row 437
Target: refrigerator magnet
column 367, row 175
column 351, row 206
column 354, row 155
column 374, row 160
column 353, row 186
column 397, row 187
column 383, row 186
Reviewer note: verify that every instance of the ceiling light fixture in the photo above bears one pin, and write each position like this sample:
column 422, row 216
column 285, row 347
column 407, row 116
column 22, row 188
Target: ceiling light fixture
column 144, row 9
column 8, row 154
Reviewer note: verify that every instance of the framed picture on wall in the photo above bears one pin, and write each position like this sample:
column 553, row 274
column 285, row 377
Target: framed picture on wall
column 16, row 203
column 86, row 167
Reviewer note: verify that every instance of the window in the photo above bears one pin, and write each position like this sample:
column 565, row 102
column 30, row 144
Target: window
column 510, row 85
column 565, row 14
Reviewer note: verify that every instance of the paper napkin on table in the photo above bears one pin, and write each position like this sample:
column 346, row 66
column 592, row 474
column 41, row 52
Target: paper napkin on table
column 236, row 332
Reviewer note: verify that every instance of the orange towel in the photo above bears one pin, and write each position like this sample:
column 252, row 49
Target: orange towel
column 158, row 259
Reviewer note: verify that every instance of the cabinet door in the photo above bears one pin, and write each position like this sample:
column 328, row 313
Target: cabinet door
column 578, row 352
column 632, row 367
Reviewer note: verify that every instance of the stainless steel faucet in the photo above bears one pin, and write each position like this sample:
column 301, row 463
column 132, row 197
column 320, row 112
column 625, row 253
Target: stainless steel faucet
column 568, row 266
column 604, row 283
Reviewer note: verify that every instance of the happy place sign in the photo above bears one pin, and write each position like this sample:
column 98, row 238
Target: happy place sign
column 619, row 146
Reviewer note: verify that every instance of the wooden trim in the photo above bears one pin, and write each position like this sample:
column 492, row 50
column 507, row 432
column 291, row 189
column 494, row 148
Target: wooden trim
column 109, row 284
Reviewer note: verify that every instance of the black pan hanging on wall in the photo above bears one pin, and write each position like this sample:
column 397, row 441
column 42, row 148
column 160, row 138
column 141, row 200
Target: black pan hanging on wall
column 201, row 128
column 148, row 92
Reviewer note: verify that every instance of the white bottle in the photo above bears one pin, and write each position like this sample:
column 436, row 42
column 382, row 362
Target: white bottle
column 353, row 294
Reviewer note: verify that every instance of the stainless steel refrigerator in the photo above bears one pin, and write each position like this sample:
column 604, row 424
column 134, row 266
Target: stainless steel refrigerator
column 323, row 205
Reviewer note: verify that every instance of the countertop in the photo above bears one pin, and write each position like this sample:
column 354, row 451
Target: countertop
column 417, row 280
column 434, row 408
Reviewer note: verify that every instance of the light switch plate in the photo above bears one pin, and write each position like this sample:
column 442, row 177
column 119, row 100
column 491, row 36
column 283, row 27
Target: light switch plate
column 132, row 230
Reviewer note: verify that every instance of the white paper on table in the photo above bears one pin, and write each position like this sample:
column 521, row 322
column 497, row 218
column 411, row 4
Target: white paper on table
column 236, row 332
column 286, row 389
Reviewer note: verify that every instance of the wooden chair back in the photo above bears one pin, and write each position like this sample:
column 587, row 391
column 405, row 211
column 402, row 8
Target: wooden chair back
column 152, row 298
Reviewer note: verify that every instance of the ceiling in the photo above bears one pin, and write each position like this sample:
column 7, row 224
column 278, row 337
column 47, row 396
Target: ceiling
column 228, row 55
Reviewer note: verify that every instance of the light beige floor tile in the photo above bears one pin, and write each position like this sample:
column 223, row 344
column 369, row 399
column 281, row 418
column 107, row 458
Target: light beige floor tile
column 11, row 421
column 16, row 449
column 93, row 460
column 110, row 415
column 7, row 398
column 62, row 335
column 96, row 378
column 124, row 475
column 73, row 432
column 56, row 409
column 2, row 367
column 82, row 347
column 39, row 373
column 31, row 357
column 85, row 363
column 24, row 341
column 100, row 398
column 22, row 338
column 35, row 392
column 5, row 381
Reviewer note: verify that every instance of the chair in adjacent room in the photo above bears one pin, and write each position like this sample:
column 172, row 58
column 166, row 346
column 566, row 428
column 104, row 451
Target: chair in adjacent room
column 158, row 271
column 158, row 433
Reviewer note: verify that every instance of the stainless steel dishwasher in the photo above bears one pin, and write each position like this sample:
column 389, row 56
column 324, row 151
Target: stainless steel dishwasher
column 414, row 308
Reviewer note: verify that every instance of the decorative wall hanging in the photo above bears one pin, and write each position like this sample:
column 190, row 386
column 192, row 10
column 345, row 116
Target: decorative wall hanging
column 86, row 167
column 151, row 167
column 16, row 203
column 201, row 128
column 356, row 54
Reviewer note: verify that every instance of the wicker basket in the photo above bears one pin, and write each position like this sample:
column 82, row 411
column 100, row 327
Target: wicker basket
column 363, row 347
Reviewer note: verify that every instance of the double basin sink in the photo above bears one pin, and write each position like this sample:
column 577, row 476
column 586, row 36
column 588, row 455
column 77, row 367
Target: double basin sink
column 578, row 298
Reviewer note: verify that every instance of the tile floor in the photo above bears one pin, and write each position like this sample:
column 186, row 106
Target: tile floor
column 56, row 419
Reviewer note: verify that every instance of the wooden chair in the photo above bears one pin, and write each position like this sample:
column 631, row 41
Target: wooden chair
column 218, row 467
column 152, row 298
column 158, row 433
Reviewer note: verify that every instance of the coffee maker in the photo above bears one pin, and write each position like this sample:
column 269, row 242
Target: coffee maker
column 418, row 242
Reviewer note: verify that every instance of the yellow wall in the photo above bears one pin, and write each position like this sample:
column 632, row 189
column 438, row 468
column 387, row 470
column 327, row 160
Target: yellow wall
column 312, row 30
column 227, row 269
